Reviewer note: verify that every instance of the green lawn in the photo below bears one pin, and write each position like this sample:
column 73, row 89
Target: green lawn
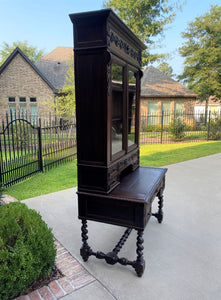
column 56, row 179
column 65, row 176
column 158, row 155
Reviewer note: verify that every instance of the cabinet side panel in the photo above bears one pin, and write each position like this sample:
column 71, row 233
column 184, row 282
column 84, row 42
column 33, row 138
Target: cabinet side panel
column 91, row 91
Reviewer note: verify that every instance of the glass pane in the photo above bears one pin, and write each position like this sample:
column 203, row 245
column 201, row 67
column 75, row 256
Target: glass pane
column 12, row 109
column 34, row 114
column 22, row 111
column 131, row 109
column 179, row 107
column 152, row 113
column 166, row 109
column 117, row 108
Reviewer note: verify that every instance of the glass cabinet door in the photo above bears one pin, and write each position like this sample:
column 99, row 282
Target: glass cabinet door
column 117, row 108
column 131, row 107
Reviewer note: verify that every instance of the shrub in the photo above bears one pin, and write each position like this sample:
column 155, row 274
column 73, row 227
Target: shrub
column 177, row 128
column 27, row 249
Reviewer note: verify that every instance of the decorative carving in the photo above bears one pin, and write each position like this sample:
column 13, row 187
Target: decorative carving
column 159, row 214
column 127, row 49
column 108, row 78
column 139, row 265
column 85, row 249
column 116, row 169
column 108, row 35
column 122, row 241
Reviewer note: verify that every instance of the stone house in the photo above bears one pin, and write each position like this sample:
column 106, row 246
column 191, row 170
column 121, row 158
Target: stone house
column 160, row 93
column 25, row 87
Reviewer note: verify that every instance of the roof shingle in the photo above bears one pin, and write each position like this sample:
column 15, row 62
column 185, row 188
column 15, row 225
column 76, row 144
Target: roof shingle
column 61, row 54
column 155, row 83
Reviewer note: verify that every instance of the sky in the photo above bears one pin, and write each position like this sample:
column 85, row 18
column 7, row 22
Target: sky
column 45, row 24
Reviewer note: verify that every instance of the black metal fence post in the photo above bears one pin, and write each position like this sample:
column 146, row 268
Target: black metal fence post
column 40, row 158
column 161, row 135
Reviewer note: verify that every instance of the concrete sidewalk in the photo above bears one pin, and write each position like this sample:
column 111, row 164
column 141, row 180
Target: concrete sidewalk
column 183, row 254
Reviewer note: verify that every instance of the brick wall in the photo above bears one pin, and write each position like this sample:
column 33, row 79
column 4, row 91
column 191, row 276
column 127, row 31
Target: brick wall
column 19, row 79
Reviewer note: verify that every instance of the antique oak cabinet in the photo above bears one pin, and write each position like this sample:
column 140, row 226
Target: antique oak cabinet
column 112, row 188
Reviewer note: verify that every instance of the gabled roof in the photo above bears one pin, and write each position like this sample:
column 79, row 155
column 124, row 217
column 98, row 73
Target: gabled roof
column 55, row 71
column 155, row 83
column 59, row 54
column 53, row 65
column 19, row 51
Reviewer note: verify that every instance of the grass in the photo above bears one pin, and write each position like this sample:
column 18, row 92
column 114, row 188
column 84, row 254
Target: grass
column 59, row 178
column 65, row 176
column 188, row 135
column 157, row 155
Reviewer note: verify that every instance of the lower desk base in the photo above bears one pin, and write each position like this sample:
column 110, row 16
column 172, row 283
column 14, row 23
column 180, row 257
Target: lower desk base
column 112, row 257
column 128, row 205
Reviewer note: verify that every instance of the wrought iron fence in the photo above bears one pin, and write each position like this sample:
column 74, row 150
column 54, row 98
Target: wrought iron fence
column 27, row 147
column 30, row 144
column 170, row 127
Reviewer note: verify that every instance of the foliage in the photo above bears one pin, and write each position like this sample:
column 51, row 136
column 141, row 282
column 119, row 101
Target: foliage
column 1, row 194
column 202, row 53
column 64, row 103
column 27, row 249
column 177, row 128
column 32, row 52
column 146, row 19
column 215, row 128
column 166, row 69
column 153, row 128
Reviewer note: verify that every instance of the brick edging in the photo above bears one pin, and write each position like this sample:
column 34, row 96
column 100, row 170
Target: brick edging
column 75, row 277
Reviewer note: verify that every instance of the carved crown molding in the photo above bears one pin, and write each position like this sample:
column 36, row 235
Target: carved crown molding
column 125, row 47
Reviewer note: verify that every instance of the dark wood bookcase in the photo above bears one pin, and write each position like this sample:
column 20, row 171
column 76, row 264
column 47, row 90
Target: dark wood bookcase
column 112, row 188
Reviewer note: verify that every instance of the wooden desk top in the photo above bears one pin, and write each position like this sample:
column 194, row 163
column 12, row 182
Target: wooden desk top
column 138, row 186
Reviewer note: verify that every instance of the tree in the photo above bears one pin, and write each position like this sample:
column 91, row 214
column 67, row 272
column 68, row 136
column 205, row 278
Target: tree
column 146, row 19
column 166, row 69
column 202, row 52
column 64, row 102
column 32, row 53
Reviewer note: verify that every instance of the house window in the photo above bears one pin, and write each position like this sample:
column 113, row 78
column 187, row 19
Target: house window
column 22, row 99
column 166, row 109
column 12, row 112
column 33, row 99
column 22, row 111
column 11, row 99
column 179, row 110
column 34, row 114
column 179, row 107
column 152, row 113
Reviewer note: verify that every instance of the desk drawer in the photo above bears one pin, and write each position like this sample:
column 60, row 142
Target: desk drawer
column 112, row 211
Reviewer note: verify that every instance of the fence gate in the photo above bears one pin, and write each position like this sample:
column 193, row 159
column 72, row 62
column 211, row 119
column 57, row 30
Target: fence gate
column 20, row 153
